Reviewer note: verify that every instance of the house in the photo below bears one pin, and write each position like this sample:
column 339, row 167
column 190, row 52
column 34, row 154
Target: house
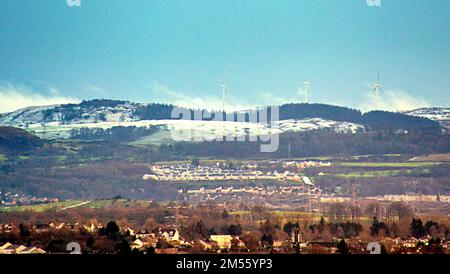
column 90, row 228
column 9, row 248
column 32, row 250
column 143, row 233
column 128, row 231
column 73, row 227
column 410, row 243
column 206, row 245
column 170, row 235
column 144, row 243
column 40, row 228
column 55, row 226
column 224, row 241
column 7, row 228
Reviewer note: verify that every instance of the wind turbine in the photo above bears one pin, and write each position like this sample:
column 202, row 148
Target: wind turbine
column 306, row 90
column 224, row 93
column 377, row 88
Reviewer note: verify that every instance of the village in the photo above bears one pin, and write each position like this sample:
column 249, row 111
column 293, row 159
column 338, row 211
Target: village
column 168, row 240
column 220, row 171
column 14, row 199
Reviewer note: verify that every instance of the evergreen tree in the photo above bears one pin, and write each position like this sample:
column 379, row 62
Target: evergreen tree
column 112, row 229
column 342, row 247
column 124, row 248
column 417, row 229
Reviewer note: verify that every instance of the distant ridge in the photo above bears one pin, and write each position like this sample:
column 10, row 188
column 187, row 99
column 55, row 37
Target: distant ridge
column 100, row 111
column 439, row 114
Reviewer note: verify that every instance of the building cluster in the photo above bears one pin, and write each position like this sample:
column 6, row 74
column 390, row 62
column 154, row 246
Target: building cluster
column 174, row 243
column 9, row 248
column 412, row 198
column 187, row 172
column 331, row 198
column 392, row 246
column 13, row 199
column 256, row 190
column 305, row 164
column 140, row 240
column 144, row 239
column 54, row 226
column 274, row 197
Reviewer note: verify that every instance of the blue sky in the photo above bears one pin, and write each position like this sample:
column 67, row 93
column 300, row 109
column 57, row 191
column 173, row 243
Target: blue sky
column 180, row 51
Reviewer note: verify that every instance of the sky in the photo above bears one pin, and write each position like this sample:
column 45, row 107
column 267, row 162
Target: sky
column 179, row 51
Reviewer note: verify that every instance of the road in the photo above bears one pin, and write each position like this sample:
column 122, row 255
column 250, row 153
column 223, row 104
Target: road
column 77, row 205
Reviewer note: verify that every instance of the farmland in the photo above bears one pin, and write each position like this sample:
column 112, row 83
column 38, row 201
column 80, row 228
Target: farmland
column 42, row 207
column 388, row 164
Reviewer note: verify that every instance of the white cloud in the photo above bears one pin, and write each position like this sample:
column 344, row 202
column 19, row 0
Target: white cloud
column 268, row 98
column 13, row 98
column 393, row 100
column 163, row 94
column 167, row 95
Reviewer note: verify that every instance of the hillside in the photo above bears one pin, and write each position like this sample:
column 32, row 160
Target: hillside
column 97, row 119
column 18, row 140
column 441, row 115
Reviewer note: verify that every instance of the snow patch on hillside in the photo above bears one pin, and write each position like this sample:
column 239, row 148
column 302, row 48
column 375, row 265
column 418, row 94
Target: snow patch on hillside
column 205, row 129
column 441, row 115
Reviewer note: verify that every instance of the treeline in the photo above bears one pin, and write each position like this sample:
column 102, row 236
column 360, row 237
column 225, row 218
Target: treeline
column 114, row 134
column 384, row 120
column 336, row 113
column 154, row 112
column 374, row 120
column 322, row 143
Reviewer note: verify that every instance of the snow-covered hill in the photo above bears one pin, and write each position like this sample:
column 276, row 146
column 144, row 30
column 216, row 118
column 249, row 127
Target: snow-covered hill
column 61, row 121
column 70, row 114
column 441, row 115
column 189, row 130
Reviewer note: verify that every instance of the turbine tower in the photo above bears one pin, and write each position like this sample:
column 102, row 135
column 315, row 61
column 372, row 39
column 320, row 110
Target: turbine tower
column 306, row 90
column 377, row 88
column 224, row 93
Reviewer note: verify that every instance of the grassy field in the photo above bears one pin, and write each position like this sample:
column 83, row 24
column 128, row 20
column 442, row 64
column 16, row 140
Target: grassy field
column 284, row 215
column 387, row 164
column 3, row 158
column 42, row 207
column 99, row 204
column 358, row 157
column 94, row 204
column 379, row 173
column 154, row 139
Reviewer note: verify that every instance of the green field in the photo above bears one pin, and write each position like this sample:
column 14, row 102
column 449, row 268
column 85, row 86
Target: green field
column 42, row 207
column 387, row 164
column 378, row 173
column 3, row 158
column 283, row 215
column 155, row 139
column 94, row 204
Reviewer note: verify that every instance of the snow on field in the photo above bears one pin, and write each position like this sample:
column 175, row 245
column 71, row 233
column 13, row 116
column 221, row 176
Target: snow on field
column 59, row 121
column 187, row 130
